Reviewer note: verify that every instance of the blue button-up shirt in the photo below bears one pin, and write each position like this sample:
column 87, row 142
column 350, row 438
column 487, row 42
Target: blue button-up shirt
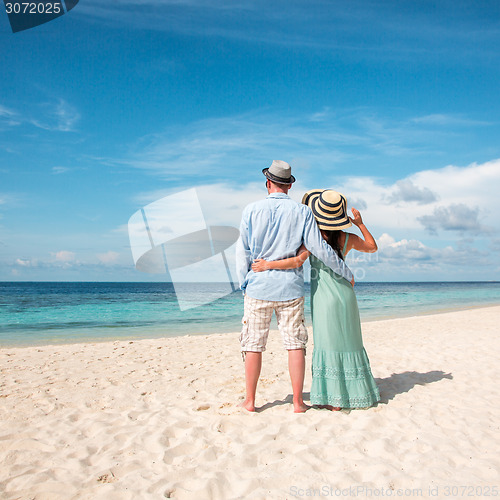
column 274, row 229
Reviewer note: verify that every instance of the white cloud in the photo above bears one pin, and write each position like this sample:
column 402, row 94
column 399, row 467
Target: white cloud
column 221, row 204
column 50, row 269
column 406, row 191
column 474, row 185
column 66, row 116
column 60, row 170
column 122, row 228
column 230, row 147
column 58, row 116
column 364, row 29
column 444, row 120
column 408, row 254
column 473, row 189
column 457, row 201
column 11, row 199
column 26, row 262
column 64, row 256
column 320, row 115
column 455, row 217
column 359, row 204
column 6, row 111
column 108, row 257
column 403, row 250
column 385, row 241
column 8, row 116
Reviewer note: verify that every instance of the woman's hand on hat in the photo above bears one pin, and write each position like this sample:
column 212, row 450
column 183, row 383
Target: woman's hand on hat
column 260, row 265
column 356, row 219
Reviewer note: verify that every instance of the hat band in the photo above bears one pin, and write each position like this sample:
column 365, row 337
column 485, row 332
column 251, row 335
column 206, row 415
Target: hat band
column 330, row 220
column 280, row 180
column 333, row 212
column 338, row 208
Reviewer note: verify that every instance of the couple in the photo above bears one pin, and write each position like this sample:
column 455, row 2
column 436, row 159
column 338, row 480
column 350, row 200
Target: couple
column 276, row 237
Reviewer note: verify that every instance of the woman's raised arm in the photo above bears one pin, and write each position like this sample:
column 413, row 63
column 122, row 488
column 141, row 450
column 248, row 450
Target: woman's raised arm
column 368, row 244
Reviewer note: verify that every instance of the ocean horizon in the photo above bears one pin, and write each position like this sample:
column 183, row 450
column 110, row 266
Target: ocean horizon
column 52, row 312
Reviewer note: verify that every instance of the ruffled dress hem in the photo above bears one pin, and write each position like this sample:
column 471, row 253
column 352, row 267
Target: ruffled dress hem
column 343, row 379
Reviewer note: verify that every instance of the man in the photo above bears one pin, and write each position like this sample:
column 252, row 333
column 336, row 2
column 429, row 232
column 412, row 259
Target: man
column 274, row 229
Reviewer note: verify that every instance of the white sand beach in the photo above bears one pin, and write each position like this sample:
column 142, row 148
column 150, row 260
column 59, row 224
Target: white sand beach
column 154, row 419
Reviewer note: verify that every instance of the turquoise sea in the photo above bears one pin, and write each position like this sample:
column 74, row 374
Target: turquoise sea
column 37, row 313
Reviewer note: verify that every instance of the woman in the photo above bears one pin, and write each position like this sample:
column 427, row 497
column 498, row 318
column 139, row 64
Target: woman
column 340, row 367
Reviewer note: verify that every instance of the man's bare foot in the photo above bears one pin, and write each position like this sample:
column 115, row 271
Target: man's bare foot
column 247, row 405
column 300, row 408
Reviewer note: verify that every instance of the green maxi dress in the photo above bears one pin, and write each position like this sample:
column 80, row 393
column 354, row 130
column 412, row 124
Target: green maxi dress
column 341, row 374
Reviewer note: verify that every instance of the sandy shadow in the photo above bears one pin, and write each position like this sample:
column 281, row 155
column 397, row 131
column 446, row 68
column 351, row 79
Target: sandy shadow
column 389, row 387
column 277, row 402
column 399, row 383
column 306, row 396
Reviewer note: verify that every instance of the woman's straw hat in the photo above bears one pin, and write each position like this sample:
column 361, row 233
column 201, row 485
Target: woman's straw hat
column 329, row 209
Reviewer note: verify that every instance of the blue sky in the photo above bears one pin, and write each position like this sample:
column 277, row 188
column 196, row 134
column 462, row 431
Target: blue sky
column 118, row 104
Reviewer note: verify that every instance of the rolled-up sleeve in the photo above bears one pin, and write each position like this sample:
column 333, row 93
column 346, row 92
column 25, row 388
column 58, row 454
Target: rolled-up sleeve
column 243, row 257
column 315, row 243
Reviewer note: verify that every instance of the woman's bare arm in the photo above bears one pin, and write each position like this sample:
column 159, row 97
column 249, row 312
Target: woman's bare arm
column 290, row 263
column 368, row 244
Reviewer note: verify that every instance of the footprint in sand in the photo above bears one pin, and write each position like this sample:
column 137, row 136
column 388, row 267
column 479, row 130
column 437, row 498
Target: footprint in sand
column 107, row 478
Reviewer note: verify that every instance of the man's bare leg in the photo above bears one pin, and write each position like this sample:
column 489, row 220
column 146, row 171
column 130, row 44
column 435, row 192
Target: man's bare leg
column 253, row 363
column 297, row 368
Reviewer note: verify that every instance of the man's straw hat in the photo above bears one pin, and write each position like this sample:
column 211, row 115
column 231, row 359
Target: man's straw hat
column 279, row 172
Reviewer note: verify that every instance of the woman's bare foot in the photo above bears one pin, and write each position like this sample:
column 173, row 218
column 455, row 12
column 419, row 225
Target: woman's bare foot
column 333, row 408
column 329, row 407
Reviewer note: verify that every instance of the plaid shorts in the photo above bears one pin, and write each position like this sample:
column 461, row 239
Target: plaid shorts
column 257, row 319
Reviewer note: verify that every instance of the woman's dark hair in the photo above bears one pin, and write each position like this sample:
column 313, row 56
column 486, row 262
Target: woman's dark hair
column 334, row 241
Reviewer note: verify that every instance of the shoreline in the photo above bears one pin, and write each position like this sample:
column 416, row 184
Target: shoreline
column 432, row 312
column 161, row 329
column 159, row 418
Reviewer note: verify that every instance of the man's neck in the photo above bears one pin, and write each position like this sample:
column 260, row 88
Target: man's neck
column 275, row 189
